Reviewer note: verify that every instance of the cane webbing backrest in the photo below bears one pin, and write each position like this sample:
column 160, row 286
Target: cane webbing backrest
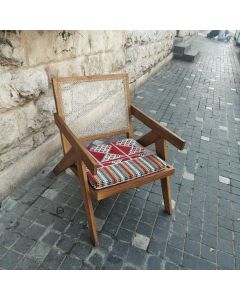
column 93, row 105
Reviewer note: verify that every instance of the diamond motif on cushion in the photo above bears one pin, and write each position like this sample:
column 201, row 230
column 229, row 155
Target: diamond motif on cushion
column 122, row 161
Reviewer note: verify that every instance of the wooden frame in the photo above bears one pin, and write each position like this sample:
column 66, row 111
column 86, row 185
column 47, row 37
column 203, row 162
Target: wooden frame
column 78, row 159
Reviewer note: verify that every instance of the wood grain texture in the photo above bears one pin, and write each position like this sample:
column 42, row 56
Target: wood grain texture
column 82, row 175
column 162, row 151
column 77, row 146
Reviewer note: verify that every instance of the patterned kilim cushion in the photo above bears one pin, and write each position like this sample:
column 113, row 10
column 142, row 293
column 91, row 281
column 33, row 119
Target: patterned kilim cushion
column 122, row 161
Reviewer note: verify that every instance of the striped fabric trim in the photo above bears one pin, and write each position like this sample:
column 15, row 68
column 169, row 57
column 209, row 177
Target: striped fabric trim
column 125, row 171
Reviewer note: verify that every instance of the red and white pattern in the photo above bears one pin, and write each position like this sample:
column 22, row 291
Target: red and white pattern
column 122, row 161
column 119, row 151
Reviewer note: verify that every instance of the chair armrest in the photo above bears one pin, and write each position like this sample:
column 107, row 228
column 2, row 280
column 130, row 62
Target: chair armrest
column 157, row 128
column 76, row 145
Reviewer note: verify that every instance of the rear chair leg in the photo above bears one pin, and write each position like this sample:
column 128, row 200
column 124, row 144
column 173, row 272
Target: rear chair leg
column 88, row 203
column 166, row 192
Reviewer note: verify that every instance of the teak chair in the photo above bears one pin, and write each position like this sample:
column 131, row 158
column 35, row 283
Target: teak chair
column 98, row 107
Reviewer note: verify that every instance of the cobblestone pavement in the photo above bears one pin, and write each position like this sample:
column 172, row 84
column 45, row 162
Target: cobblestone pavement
column 200, row 102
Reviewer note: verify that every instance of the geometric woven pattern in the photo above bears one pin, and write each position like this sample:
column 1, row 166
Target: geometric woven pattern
column 121, row 161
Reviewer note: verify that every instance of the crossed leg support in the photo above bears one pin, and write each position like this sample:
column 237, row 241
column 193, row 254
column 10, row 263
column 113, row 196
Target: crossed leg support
column 67, row 161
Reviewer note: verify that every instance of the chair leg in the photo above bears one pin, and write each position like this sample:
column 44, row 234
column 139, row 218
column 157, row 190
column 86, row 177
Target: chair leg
column 166, row 192
column 88, row 203
column 91, row 219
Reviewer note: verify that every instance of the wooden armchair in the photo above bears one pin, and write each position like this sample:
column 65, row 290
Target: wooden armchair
column 97, row 107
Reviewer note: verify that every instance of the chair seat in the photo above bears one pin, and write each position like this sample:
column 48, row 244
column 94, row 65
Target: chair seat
column 122, row 161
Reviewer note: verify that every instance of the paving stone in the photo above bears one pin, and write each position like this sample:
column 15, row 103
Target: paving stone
column 70, row 263
column 225, row 260
column 50, row 194
column 81, row 250
column 144, row 229
column 224, row 128
column 209, row 253
column 187, row 175
column 171, row 266
column 136, row 256
column 125, row 235
column 154, row 262
column 96, row 258
column 27, row 264
column 7, row 204
column 224, row 180
column 205, row 138
column 51, row 238
column 140, row 241
column 41, row 203
column 29, row 198
column 192, row 247
column 39, row 252
column 206, row 265
column 23, row 245
column 65, row 244
column 53, row 260
column 32, row 214
column 10, row 260
column 154, row 247
column 173, row 254
column 113, row 262
column 3, row 250
column 45, row 219
column 190, row 262
column 7, row 239
column 35, row 231
column 99, row 223
column 120, row 249
column 106, row 241
column 225, row 246
column 176, row 241
column 60, row 225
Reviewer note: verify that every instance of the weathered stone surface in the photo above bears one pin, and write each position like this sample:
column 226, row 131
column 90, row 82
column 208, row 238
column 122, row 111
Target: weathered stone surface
column 12, row 56
column 8, row 95
column 26, row 167
column 145, row 49
column 9, row 130
column 57, row 45
column 30, row 83
column 20, row 87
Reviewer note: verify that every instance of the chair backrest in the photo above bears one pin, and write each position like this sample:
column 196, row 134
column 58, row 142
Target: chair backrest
column 94, row 106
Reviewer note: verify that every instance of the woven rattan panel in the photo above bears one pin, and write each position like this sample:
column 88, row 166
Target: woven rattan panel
column 94, row 107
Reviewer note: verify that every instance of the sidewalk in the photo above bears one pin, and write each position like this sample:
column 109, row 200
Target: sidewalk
column 200, row 102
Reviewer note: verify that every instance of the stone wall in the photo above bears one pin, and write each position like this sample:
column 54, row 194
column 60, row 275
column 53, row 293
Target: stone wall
column 28, row 136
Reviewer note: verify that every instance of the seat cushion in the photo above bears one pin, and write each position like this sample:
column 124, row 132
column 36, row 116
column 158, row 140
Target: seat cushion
column 121, row 161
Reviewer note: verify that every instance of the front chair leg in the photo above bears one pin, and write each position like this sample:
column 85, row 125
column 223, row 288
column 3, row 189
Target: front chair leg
column 162, row 151
column 88, row 202
column 166, row 192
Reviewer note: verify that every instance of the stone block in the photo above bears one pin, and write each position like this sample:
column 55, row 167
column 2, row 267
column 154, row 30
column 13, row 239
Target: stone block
column 115, row 39
column 97, row 41
column 57, row 45
column 9, row 130
column 13, row 56
column 30, row 83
